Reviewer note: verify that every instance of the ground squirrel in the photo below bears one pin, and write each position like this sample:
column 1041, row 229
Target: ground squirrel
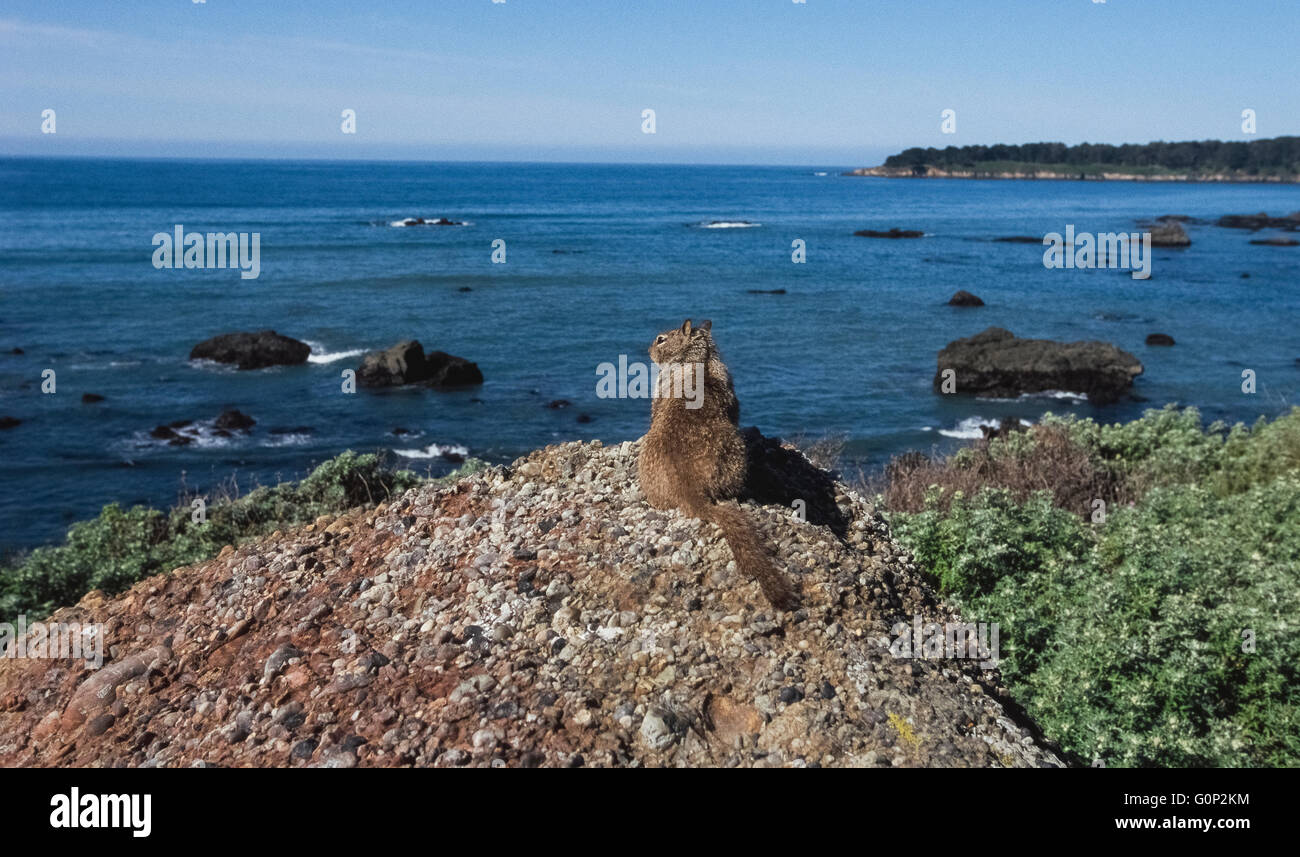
column 693, row 458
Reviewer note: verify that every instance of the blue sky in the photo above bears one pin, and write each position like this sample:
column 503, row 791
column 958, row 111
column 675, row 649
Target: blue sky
column 833, row 82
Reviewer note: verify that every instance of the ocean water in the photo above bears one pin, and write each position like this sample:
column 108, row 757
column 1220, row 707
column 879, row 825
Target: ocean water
column 598, row 259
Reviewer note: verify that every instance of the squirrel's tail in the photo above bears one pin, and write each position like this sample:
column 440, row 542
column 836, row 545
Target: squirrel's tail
column 751, row 559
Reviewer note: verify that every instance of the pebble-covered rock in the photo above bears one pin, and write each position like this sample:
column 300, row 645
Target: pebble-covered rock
column 541, row 614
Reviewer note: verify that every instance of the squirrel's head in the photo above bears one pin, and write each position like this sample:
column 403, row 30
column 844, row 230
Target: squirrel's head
column 685, row 344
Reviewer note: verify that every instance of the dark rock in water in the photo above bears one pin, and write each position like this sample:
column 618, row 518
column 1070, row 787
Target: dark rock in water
column 1277, row 242
column 9, row 422
column 1019, row 239
column 558, row 403
column 401, row 431
column 998, row 363
column 464, row 289
column 401, row 364
column 1169, row 235
column 163, row 433
column 252, row 350
column 234, row 420
column 17, row 351
column 179, row 424
column 1256, row 222
column 765, row 291
column 584, row 418
column 222, row 433
column 420, row 221
column 892, row 233
column 964, row 298
column 1176, row 218
column 1004, row 429
column 406, row 363
column 1159, row 339
column 91, row 398
column 1245, row 276
column 292, row 430
column 180, row 440
column 446, row 370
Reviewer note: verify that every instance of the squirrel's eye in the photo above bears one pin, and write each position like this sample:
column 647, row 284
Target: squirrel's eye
column 661, row 338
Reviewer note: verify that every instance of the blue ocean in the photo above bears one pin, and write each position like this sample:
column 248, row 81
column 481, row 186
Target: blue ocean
column 598, row 258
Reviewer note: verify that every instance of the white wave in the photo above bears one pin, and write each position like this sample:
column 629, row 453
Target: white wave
column 821, row 174
column 200, row 435
column 1064, row 395
column 434, row 450
column 288, row 438
column 414, row 221
column 1056, row 394
column 969, row 428
column 728, row 224
column 213, row 366
column 111, row 364
column 320, row 355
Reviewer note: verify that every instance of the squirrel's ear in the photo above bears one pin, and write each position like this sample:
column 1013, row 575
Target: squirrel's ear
column 686, row 327
column 707, row 324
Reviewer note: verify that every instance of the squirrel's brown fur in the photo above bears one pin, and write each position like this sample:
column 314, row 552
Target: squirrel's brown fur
column 693, row 458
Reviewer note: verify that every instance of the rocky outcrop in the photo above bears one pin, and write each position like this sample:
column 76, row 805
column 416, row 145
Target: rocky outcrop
column 186, row 432
column 998, row 363
column 252, row 350
column 894, row 232
column 964, row 298
column 234, row 420
column 537, row 615
column 406, row 363
column 1169, row 234
column 8, row 422
column 1159, row 339
column 1256, row 222
column 1004, row 429
column 1277, row 242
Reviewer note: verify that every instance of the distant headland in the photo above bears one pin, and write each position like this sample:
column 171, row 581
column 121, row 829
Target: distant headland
column 1275, row 160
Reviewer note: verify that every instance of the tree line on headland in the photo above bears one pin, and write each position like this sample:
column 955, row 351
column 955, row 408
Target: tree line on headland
column 1277, row 155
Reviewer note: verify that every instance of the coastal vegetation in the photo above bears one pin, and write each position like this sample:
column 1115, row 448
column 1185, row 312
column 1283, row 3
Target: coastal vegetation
column 1277, row 157
column 121, row 546
column 1145, row 577
column 1278, row 154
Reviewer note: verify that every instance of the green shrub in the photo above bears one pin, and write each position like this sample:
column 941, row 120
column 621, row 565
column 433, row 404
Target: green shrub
column 123, row 546
column 1124, row 639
